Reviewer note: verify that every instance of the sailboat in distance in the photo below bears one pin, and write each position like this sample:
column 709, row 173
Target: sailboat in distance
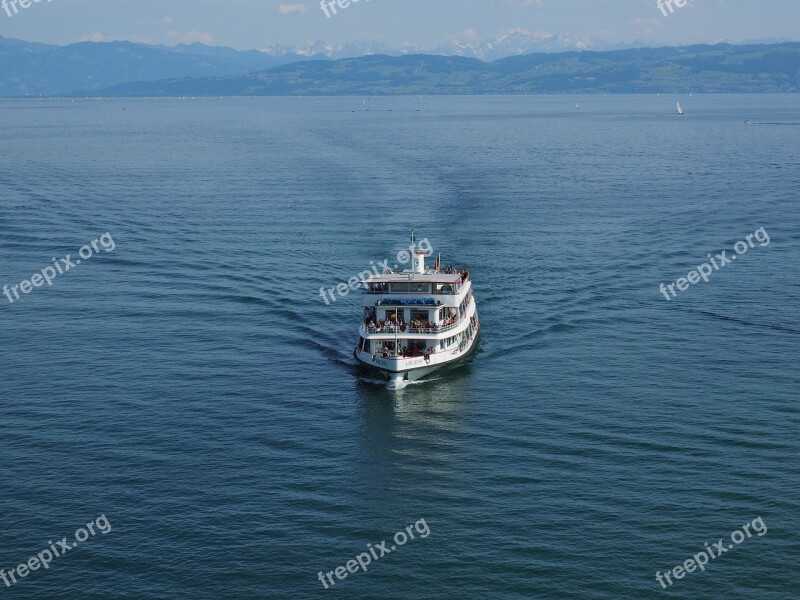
column 680, row 109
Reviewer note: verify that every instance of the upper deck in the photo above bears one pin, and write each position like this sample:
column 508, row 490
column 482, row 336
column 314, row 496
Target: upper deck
column 442, row 288
column 427, row 277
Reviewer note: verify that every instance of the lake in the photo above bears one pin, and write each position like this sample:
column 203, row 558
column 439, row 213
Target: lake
column 192, row 386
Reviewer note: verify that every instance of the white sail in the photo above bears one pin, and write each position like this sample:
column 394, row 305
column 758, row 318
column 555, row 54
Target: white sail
column 680, row 108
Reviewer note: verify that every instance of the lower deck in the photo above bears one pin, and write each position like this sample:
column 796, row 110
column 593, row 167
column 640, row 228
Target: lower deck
column 407, row 354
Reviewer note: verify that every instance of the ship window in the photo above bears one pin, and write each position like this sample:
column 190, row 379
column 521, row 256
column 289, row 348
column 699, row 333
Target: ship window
column 419, row 315
column 401, row 287
column 388, row 349
column 443, row 288
column 422, row 288
column 415, row 347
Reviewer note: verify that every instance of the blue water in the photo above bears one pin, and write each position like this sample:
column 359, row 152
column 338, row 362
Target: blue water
column 192, row 386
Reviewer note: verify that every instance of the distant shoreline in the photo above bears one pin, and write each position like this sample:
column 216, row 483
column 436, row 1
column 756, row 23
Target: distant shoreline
column 361, row 96
column 701, row 69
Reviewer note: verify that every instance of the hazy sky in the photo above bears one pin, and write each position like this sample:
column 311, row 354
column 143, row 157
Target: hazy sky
column 247, row 24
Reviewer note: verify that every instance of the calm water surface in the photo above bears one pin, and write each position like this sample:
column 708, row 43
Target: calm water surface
column 192, row 386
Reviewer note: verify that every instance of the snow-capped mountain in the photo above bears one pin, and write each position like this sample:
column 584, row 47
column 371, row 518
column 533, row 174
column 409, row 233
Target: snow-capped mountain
column 317, row 48
column 520, row 41
column 510, row 43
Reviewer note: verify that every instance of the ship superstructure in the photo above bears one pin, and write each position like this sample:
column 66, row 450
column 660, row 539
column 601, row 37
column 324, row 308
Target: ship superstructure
column 417, row 321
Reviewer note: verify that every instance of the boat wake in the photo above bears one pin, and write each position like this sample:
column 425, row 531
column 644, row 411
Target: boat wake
column 401, row 385
column 397, row 384
column 770, row 123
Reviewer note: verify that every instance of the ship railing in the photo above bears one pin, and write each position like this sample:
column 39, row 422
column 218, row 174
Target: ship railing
column 378, row 292
column 383, row 289
column 392, row 355
column 406, row 329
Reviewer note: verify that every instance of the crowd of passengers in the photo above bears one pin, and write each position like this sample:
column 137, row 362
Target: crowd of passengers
column 411, row 352
column 451, row 270
column 376, row 326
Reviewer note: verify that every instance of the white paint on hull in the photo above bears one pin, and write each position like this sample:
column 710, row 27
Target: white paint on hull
column 399, row 379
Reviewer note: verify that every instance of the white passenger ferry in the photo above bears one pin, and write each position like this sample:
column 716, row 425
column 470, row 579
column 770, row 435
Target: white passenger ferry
column 417, row 321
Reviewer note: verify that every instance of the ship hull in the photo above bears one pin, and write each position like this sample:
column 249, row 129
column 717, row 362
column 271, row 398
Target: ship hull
column 398, row 378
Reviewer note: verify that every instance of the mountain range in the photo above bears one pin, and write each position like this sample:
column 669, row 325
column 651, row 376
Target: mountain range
column 512, row 42
column 34, row 69
column 517, row 61
column 704, row 69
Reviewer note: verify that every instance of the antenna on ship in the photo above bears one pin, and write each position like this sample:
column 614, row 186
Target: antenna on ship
column 418, row 266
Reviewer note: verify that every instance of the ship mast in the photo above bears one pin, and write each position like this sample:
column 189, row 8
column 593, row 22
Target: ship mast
column 418, row 264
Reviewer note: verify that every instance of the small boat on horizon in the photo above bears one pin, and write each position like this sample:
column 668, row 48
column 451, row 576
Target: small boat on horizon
column 680, row 109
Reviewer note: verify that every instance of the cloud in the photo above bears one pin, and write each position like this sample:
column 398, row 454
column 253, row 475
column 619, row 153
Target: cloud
column 467, row 34
column 102, row 37
column 537, row 3
column 190, row 37
column 288, row 9
column 520, row 31
column 646, row 27
column 168, row 20
column 92, row 37
column 640, row 22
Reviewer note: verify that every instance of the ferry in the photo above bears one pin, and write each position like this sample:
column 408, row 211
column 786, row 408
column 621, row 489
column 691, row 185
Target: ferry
column 416, row 321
